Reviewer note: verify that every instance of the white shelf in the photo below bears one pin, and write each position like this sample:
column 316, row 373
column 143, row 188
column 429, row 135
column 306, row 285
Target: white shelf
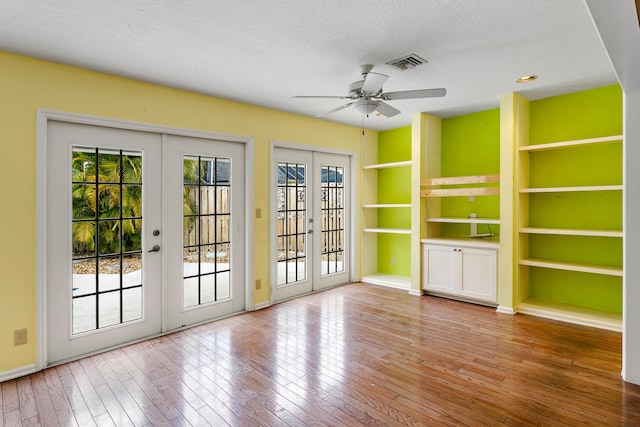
column 387, row 205
column 388, row 165
column 573, row 266
column 390, row 280
column 571, row 189
column 388, row 230
column 569, row 144
column 571, row 313
column 465, row 220
column 571, row 232
column 467, row 242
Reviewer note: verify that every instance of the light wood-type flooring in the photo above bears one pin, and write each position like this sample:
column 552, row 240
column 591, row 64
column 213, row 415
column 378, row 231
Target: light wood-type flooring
column 351, row 356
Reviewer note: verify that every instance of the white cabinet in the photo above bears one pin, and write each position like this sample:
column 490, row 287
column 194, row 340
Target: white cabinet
column 461, row 269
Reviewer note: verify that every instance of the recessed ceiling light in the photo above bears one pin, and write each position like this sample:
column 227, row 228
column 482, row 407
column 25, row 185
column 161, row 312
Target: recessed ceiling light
column 526, row 79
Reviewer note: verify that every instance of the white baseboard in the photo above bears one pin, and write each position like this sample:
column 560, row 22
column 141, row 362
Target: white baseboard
column 505, row 310
column 18, row 372
column 262, row 305
column 416, row 292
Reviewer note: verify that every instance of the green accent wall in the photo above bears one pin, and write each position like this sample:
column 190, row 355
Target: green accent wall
column 470, row 146
column 581, row 115
column 394, row 145
column 394, row 186
column 396, row 246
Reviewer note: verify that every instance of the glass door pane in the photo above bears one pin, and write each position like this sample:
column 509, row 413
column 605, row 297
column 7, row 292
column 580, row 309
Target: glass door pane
column 291, row 219
column 106, row 197
column 332, row 220
column 206, row 233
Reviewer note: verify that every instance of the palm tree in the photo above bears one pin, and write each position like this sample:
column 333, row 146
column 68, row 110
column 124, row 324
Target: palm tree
column 101, row 195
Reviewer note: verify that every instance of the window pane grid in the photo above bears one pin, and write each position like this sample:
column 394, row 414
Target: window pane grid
column 106, row 236
column 207, row 219
column 292, row 205
column 332, row 221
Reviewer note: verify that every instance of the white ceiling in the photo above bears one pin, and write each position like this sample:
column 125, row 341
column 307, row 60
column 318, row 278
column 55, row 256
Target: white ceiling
column 264, row 52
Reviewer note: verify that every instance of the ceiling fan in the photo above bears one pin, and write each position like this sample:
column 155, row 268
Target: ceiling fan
column 367, row 95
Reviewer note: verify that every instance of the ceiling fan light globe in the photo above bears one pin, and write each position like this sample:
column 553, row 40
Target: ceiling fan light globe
column 365, row 108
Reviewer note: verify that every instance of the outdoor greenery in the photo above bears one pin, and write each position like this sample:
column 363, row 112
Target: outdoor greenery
column 98, row 192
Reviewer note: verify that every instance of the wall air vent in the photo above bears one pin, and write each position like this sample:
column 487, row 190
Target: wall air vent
column 407, row 62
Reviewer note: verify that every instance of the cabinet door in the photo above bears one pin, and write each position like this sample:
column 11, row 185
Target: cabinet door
column 478, row 274
column 439, row 269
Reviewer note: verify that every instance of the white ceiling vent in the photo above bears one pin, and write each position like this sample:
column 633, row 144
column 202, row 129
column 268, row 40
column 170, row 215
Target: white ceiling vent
column 407, row 62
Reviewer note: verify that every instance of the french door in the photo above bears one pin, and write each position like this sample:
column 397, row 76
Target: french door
column 144, row 235
column 311, row 222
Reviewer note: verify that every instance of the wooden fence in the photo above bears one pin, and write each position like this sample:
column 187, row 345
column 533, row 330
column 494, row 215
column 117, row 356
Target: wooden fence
column 212, row 228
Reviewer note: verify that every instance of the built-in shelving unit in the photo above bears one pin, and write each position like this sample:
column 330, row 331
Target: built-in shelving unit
column 454, row 183
column 552, row 215
column 561, row 193
column 378, row 221
column 460, row 198
column 374, row 206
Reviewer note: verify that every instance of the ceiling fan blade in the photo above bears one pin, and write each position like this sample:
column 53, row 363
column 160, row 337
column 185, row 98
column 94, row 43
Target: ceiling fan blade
column 319, row 96
column 386, row 109
column 412, row 94
column 335, row 110
column 373, row 83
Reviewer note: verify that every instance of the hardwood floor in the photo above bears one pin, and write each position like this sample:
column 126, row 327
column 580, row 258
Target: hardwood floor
column 351, row 356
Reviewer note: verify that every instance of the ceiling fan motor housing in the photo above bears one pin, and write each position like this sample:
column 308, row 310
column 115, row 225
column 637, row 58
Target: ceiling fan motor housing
column 355, row 89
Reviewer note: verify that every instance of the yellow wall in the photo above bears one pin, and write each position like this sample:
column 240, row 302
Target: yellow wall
column 27, row 84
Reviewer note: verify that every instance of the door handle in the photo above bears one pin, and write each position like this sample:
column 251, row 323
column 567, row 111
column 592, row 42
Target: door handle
column 155, row 248
column 310, row 232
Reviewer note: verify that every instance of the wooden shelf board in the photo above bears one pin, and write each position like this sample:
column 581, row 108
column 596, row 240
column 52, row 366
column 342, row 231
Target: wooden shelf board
column 572, row 314
column 393, row 281
column 568, row 144
column 387, row 205
column 388, row 230
column 572, row 266
column 457, row 180
column 451, row 192
column 388, row 165
column 571, row 189
column 571, row 232
column 465, row 220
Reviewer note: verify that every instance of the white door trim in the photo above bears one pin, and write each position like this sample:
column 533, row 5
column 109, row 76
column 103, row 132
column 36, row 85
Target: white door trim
column 43, row 116
column 273, row 144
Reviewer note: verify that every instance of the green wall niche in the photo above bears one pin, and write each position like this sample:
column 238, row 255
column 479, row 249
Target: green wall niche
column 394, row 186
column 470, row 146
column 581, row 115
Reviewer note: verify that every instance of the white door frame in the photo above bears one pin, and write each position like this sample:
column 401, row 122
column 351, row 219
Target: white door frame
column 43, row 117
column 273, row 205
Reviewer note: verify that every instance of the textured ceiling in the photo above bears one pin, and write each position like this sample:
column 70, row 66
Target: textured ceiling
column 264, row 52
